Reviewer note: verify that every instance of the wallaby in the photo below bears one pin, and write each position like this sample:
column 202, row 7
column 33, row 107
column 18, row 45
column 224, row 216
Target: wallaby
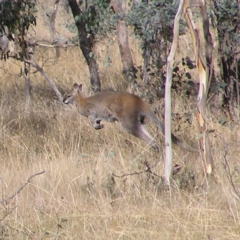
column 128, row 109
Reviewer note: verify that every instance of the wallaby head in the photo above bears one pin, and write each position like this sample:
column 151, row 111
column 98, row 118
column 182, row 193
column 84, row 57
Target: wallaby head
column 69, row 98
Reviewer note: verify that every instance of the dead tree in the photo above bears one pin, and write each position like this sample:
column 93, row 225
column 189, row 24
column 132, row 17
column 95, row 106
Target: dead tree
column 204, row 66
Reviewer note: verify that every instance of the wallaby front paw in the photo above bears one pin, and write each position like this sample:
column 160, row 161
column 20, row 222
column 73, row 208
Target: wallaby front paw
column 99, row 126
column 155, row 146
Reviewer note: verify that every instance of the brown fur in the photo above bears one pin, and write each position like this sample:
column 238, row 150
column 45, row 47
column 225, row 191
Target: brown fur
column 128, row 109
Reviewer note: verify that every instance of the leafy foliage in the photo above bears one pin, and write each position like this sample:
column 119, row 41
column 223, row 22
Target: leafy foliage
column 153, row 24
column 152, row 20
column 97, row 17
column 17, row 15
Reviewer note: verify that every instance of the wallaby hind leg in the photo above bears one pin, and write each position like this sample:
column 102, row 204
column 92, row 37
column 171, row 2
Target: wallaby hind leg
column 138, row 130
column 148, row 138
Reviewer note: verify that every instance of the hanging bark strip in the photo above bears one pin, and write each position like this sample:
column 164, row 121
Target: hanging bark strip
column 205, row 74
column 168, row 107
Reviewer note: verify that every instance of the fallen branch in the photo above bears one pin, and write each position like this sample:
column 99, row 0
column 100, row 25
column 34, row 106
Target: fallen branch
column 21, row 188
column 147, row 170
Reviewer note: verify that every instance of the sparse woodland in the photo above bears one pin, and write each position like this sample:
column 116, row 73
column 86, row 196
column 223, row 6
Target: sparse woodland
column 62, row 179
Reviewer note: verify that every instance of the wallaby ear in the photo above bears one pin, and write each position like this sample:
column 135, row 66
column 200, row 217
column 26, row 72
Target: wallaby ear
column 75, row 86
column 80, row 87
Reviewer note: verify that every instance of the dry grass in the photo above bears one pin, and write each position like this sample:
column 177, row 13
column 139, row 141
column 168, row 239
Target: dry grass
column 80, row 196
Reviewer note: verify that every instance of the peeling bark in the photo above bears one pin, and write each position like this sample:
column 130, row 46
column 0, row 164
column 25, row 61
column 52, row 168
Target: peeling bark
column 205, row 73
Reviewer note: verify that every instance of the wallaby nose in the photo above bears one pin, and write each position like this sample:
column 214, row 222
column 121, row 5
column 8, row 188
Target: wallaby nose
column 65, row 100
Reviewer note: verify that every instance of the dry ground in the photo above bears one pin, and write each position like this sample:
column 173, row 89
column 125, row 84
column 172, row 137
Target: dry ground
column 95, row 184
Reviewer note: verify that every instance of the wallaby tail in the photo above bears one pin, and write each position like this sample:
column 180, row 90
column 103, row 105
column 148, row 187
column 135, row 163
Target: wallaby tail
column 182, row 144
column 175, row 139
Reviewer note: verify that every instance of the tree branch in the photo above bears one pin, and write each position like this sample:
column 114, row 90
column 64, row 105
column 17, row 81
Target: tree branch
column 21, row 188
column 35, row 64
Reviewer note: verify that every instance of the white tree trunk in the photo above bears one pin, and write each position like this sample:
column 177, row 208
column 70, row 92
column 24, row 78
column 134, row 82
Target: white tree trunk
column 168, row 105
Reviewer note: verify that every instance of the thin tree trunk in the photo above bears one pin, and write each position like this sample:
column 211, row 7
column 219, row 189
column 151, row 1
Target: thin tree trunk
column 53, row 28
column 146, row 64
column 86, row 45
column 168, row 105
column 27, row 84
column 129, row 71
column 52, row 21
column 229, row 64
column 146, row 53
column 232, row 88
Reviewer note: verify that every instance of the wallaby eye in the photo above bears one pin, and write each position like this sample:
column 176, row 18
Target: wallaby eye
column 66, row 97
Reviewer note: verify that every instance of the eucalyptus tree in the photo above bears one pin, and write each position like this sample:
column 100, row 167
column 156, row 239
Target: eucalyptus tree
column 91, row 19
column 97, row 19
column 129, row 70
column 16, row 17
column 152, row 21
column 86, row 41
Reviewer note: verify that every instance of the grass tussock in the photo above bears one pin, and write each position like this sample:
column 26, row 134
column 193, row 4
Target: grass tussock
column 105, row 184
